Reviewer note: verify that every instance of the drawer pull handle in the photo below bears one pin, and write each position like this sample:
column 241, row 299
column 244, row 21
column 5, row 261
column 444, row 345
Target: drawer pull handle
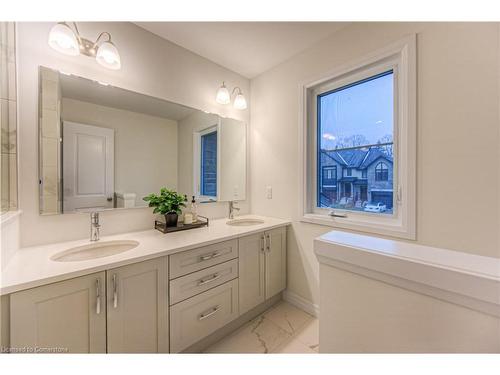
column 208, row 280
column 115, row 293
column 210, row 256
column 98, row 296
column 211, row 312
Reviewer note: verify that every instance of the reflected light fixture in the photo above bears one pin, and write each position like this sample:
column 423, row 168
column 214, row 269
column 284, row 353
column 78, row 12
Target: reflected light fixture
column 224, row 97
column 64, row 39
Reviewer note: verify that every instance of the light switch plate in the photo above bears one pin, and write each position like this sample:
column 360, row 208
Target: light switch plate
column 269, row 192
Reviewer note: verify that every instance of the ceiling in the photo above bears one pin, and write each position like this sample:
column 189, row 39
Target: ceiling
column 247, row 48
column 86, row 90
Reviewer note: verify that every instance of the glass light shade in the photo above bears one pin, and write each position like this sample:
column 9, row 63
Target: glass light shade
column 64, row 40
column 108, row 56
column 223, row 96
column 240, row 102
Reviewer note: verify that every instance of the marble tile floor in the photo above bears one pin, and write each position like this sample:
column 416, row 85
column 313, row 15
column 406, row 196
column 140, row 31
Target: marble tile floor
column 282, row 329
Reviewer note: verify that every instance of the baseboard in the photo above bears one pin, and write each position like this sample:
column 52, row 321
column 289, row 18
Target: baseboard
column 301, row 303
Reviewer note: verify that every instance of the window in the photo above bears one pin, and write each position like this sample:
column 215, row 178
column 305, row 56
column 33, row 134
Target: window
column 208, row 163
column 355, row 125
column 329, row 174
column 362, row 119
column 381, row 172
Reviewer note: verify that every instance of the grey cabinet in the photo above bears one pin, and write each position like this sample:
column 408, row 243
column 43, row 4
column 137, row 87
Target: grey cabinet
column 122, row 310
column 67, row 316
column 262, row 267
column 137, row 307
column 203, row 314
column 275, row 265
column 251, row 271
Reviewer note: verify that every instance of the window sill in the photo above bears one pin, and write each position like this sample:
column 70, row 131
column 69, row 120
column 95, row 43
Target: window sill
column 388, row 226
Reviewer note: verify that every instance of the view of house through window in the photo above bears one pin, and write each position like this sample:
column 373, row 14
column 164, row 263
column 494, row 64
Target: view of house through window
column 355, row 146
column 208, row 164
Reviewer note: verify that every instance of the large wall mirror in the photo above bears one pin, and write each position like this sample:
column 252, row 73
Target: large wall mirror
column 104, row 147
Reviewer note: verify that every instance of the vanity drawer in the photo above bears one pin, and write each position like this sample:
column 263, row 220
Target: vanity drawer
column 195, row 283
column 199, row 316
column 203, row 257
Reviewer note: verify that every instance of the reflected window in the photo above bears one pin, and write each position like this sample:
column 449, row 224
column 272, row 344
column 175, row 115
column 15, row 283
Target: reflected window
column 208, row 163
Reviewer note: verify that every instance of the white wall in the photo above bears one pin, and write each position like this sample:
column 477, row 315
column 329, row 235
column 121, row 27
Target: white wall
column 150, row 65
column 232, row 160
column 457, row 142
column 145, row 146
column 369, row 316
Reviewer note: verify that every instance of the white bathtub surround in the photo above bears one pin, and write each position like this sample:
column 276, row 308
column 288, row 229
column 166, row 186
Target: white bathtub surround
column 32, row 266
column 281, row 329
column 379, row 295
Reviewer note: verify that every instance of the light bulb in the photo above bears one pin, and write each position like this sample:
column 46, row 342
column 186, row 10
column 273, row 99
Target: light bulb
column 108, row 56
column 240, row 101
column 223, row 96
column 63, row 39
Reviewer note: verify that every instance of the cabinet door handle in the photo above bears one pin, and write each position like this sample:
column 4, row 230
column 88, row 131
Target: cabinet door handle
column 98, row 297
column 210, row 256
column 115, row 292
column 208, row 280
column 210, row 312
column 268, row 242
column 262, row 243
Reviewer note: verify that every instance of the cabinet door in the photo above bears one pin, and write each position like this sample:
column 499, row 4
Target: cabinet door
column 275, row 261
column 251, row 271
column 68, row 316
column 137, row 308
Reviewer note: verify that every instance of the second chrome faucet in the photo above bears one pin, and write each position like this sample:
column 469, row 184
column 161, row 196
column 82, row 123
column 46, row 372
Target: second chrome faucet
column 94, row 226
column 232, row 208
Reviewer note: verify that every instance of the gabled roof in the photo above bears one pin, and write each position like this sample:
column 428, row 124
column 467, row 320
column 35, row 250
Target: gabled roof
column 372, row 155
column 355, row 158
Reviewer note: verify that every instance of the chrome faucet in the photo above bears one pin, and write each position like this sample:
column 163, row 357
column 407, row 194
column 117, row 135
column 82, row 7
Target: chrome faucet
column 232, row 208
column 94, row 226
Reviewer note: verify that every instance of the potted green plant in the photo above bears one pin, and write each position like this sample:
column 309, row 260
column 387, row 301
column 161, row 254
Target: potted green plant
column 168, row 203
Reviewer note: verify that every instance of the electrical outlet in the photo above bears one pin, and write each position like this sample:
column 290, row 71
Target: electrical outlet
column 269, row 192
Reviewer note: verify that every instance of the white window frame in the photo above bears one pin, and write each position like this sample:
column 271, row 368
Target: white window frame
column 197, row 163
column 401, row 58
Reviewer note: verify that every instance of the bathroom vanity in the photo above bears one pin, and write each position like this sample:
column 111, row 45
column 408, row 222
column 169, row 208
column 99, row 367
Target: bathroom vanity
column 104, row 148
column 166, row 294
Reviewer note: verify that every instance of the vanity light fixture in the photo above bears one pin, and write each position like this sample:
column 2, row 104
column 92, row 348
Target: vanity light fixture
column 64, row 39
column 224, row 97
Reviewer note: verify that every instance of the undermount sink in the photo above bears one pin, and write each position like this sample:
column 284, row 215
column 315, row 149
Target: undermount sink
column 94, row 251
column 244, row 222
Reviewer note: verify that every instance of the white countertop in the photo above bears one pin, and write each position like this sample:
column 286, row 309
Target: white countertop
column 486, row 267
column 32, row 266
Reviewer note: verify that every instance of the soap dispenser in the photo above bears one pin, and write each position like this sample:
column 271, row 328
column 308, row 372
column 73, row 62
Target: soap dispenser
column 194, row 210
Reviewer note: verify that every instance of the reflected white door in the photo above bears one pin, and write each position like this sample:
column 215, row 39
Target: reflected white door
column 88, row 167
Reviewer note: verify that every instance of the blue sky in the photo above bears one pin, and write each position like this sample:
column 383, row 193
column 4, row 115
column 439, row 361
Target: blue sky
column 365, row 109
